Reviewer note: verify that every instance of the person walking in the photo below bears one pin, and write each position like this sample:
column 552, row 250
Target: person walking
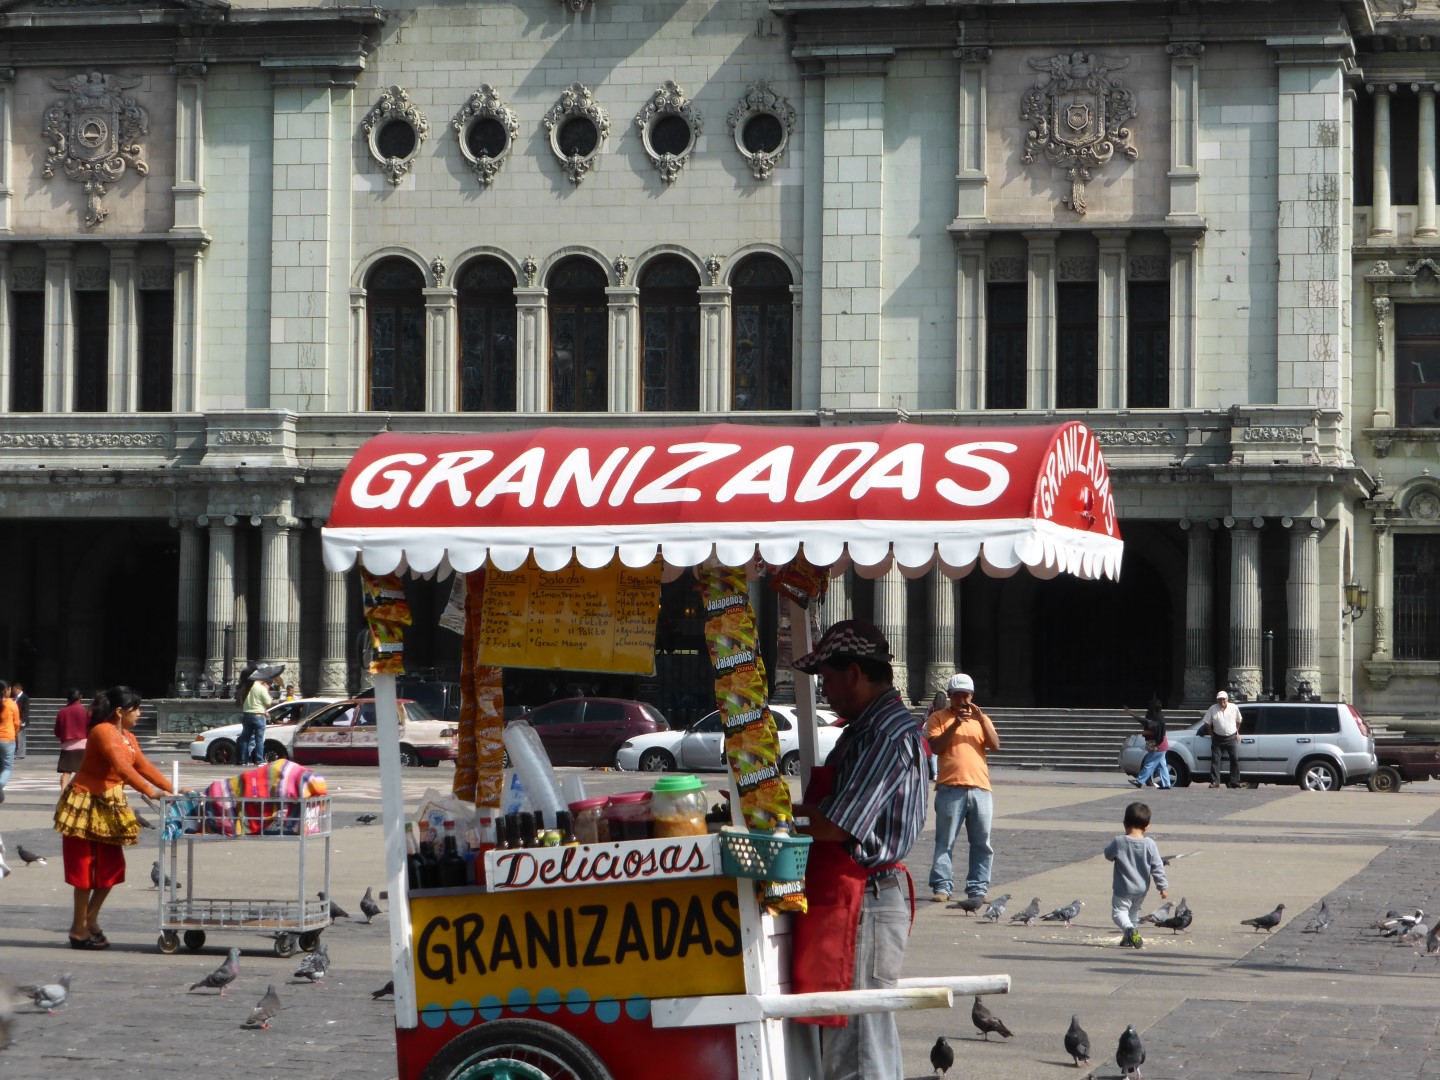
column 22, row 702
column 1222, row 720
column 94, row 818
column 865, row 809
column 960, row 736
column 72, row 724
column 254, row 699
column 9, row 732
column 1137, row 862
column 1156, row 744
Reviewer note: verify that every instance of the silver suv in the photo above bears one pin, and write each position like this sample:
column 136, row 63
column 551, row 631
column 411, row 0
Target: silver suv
column 1321, row 746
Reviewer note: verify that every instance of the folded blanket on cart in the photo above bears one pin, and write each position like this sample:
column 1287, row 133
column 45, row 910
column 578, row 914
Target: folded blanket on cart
column 268, row 799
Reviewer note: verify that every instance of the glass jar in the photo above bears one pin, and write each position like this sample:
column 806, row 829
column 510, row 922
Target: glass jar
column 629, row 816
column 678, row 806
column 588, row 819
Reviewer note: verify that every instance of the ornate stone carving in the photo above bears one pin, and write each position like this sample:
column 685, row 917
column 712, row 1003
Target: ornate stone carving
column 1009, row 268
column 973, row 54
column 27, row 278
column 1274, row 434
column 1077, row 268
column 576, row 102
column 244, row 437
column 713, row 266
column 94, row 135
column 576, row 6
column 77, row 440
column 189, row 70
column 92, row 278
column 393, row 106
column 157, row 277
column 1187, row 50
column 1382, row 269
column 1077, row 115
column 668, row 100
column 1149, row 268
column 1412, row 269
column 1134, row 436
column 622, row 270
column 437, row 271
column 760, row 100
column 1381, row 304
column 485, row 105
column 1425, row 505
column 529, row 267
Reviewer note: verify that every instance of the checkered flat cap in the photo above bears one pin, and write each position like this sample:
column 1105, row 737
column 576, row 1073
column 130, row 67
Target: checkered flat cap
column 853, row 639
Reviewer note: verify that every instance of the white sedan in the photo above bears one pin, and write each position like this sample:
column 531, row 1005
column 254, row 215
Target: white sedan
column 701, row 746
column 219, row 745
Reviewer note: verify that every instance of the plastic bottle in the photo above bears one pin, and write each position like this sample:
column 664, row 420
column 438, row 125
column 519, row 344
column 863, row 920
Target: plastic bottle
column 527, row 830
column 429, row 866
column 566, row 828
column 412, row 857
column 532, row 765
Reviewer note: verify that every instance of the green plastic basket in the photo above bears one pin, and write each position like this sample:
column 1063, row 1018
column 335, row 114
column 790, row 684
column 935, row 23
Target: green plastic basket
column 763, row 856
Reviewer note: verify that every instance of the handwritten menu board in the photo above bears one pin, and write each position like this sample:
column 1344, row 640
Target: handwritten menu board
column 572, row 619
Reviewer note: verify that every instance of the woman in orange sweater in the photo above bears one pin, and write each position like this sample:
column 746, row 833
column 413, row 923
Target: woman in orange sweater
column 93, row 816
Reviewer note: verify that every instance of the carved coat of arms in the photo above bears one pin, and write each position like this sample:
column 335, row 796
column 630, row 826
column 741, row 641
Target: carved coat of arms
column 94, row 134
column 1077, row 115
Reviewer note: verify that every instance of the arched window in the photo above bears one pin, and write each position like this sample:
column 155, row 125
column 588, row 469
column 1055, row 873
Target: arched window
column 670, row 336
column 762, row 334
column 486, row 299
column 579, row 358
column 395, row 310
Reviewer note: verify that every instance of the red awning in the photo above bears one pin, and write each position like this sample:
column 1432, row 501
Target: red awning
column 1002, row 498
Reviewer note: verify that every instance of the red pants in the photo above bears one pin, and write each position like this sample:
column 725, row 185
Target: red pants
column 90, row 865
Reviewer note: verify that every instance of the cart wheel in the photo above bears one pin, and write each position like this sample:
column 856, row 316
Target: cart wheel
column 169, row 942
column 194, row 940
column 309, row 940
column 516, row 1050
column 285, row 945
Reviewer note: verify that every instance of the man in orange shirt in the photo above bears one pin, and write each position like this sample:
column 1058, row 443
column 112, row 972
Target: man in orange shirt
column 9, row 732
column 960, row 736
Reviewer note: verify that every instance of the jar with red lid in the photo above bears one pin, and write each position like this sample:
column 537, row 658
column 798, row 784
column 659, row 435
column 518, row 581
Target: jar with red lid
column 630, row 816
column 588, row 819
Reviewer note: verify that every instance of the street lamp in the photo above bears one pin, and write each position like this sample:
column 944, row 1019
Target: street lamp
column 1356, row 600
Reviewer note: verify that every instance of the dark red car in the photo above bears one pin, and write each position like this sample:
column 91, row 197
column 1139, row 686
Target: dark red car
column 589, row 730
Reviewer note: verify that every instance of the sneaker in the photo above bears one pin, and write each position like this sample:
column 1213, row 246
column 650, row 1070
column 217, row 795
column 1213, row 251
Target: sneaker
column 1136, row 941
column 940, row 896
column 1135, row 783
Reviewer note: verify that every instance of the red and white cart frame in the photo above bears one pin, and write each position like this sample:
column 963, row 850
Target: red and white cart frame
column 617, row 967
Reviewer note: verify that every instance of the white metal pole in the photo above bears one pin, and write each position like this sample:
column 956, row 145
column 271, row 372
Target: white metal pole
column 800, row 644
column 392, row 806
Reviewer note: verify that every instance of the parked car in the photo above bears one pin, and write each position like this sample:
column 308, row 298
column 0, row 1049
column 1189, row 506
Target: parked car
column 589, row 730
column 220, row 745
column 440, row 698
column 701, row 746
column 346, row 734
column 1321, row 746
column 1404, row 761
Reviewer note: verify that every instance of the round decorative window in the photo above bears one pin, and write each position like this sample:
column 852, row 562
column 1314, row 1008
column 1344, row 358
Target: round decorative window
column 578, row 137
column 396, row 139
column 669, row 127
column 670, row 134
column 762, row 134
column 486, row 137
column 762, row 124
column 578, row 128
column 394, row 131
column 485, row 128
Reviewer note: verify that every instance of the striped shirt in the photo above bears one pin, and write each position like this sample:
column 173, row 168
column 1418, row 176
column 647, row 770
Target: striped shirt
column 881, row 784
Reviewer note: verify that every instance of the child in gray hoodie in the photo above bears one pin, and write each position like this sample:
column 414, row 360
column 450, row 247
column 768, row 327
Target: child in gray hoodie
column 1137, row 862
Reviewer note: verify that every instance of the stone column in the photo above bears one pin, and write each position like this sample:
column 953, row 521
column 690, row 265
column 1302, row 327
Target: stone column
column 1040, row 320
column 274, row 590
column 123, row 341
column 189, row 257
column 626, row 388
column 359, row 353
column 1184, row 311
column 970, row 173
column 1113, row 346
column 442, row 354
column 1381, row 603
column 532, row 359
column 189, row 187
column 1199, row 678
column 190, row 614
column 1302, row 595
column 837, row 602
column 1425, row 223
column 970, row 320
column 1184, row 173
column 716, row 391
column 335, row 655
column 1382, row 218
column 7, row 193
column 58, row 393
column 891, row 616
column 940, row 657
column 5, row 281
column 292, row 640
column 1244, row 668
column 245, row 601
column 1384, row 381
column 220, row 614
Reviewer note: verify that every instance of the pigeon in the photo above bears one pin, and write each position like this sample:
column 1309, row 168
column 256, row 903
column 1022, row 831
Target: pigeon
column 1067, row 914
column 367, row 819
column 1077, row 1043
column 265, row 1008
column 969, row 905
column 1431, row 944
column 1321, row 921
column 1130, row 1054
column 1168, row 859
column 1029, row 915
column 1401, row 923
column 336, row 911
column 368, row 905
column 942, row 1057
column 222, row 976
column 996, row 908
column 29, row 856
column 156, row 876
column 1265, row 922
column 388, row 990
column 985, row 1021
column 1162, row 912
column 1416, row 934
column 1181, row 920
column 49, row 996
column 315, row 966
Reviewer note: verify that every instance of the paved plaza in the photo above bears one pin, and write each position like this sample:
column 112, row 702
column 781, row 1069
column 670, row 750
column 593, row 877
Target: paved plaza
column 1219, row 1001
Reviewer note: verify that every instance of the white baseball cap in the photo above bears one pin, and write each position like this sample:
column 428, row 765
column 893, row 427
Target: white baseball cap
column 1223, row 694
column 960, row 682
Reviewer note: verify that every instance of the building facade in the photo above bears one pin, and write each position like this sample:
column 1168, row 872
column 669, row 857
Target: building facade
column 238, row 239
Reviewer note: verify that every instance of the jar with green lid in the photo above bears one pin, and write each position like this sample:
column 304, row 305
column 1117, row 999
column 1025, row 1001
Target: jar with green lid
column 677, row 805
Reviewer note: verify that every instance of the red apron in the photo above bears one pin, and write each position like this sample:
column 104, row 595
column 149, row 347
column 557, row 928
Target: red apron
column 822, row 955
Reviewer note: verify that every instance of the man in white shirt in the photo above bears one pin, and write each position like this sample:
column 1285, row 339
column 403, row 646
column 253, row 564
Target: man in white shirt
column 1223, row 720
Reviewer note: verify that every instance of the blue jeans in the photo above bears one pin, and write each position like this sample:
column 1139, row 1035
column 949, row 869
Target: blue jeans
column 252, row 739
column 972, row 806
column 1151, row 766
column 7, row 762
column 868, row 1047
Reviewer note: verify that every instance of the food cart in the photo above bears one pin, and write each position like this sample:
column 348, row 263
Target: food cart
column 622, row 959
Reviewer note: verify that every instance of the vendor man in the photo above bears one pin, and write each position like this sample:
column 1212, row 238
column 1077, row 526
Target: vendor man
column 865, row 811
